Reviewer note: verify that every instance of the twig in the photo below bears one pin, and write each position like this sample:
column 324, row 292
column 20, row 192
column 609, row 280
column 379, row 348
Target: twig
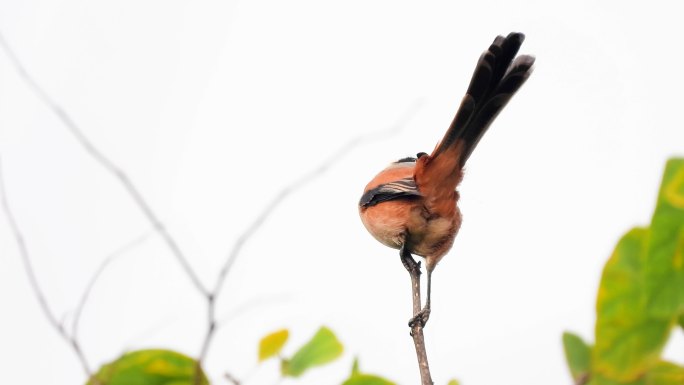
column 279, row 198
column 150, row 330
column 86, row 293
column 105, row 162
column 231, row 379
column 35, row 286
column 582, row 379
column 303, row 181
column 144, row 206
column 246, row 307
column 417, row 325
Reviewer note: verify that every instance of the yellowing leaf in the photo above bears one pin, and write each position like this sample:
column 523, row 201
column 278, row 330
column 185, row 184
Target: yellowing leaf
column 628, row 339
column 321, row 349
column 666, row 373
column 577, row 354
column 453, row 382
column 150, row 367
column 597, row 379
column 664, row 268
column 271, row 344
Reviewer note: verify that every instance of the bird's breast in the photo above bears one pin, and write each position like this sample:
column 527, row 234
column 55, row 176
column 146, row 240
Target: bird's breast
column 426, row 233
column 388, row 221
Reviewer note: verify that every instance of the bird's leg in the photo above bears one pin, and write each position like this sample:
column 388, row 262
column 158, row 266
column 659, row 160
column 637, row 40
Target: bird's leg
column 413, row 267
column 423, row 315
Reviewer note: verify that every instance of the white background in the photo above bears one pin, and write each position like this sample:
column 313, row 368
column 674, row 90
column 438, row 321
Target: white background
column 212, row 107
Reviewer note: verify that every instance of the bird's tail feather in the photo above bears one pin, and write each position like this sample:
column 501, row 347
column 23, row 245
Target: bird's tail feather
column 498, row 75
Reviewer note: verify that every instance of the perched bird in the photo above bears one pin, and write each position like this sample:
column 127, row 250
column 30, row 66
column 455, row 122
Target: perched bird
column 412, row 204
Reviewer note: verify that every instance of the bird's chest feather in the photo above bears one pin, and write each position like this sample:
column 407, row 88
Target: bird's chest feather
column 426, row 232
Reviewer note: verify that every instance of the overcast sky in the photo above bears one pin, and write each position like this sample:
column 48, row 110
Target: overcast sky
column 213, row 107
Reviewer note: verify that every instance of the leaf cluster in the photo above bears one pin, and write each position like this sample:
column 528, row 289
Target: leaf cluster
column 640, row 300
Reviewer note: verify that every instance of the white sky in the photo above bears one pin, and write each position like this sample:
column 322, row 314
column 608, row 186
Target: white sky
column 212, row 107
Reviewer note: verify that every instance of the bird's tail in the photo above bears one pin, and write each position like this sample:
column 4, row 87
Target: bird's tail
column 498, row 75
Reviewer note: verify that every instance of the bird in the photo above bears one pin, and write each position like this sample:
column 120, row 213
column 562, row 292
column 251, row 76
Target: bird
column 412, row 205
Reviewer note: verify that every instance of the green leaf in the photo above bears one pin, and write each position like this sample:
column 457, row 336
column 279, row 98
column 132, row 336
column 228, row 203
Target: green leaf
column 367, row 379
column 628, row 339
column 355, row 367
column 664, row 270
column 321, row 349
column 665, row 373
column 358, row 378
column 453, row 382
column 681, row 321
column 597, row 379
column 578, row 355
column 150, row 367
column 272, row 343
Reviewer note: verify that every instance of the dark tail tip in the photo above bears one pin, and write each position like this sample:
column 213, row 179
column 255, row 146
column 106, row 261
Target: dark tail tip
column 497, row 76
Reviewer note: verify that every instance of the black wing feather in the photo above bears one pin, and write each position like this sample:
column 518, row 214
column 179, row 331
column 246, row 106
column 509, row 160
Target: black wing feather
column 402, row 189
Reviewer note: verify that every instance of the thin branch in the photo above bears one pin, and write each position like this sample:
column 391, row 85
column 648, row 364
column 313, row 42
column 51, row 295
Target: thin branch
column 248, row 306
column 582, row 379
column 151, row 329
column 303, row 181
column 144, row 206
column 23, row 249
column 231, row 379
column 279, row 198
column 421, row 353
column 113, row 256
column 105, row 162
column 417, row 325
column 33, row 280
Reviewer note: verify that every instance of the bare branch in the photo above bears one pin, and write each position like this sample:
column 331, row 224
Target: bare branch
column 303, row 181
column 583, row 379
column 23, row 250
column 105, row 162
column 143, row 205
column 231, row 378
column 421, row 353
column 113, row 256
column 417, row 325
column 280, row 197
column 150, row 330
column 246, row 307
column 35, row 286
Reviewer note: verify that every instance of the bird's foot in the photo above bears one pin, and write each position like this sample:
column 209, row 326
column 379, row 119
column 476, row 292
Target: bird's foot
column 411, row 265
column 420, row 319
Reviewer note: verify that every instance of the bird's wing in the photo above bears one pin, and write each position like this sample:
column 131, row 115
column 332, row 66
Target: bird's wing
column 401, row 189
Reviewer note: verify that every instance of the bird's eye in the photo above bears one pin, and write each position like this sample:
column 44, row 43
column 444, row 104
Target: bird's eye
column 420, row 154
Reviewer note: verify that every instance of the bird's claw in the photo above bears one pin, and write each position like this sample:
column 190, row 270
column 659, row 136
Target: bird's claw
column 420, row 319
column 410, row 264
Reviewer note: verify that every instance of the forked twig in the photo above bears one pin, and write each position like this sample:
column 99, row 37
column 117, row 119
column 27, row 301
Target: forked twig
column 280, row 197
column 86, row 293
column 105, row 162
column 144, row 206
column 33, row 280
